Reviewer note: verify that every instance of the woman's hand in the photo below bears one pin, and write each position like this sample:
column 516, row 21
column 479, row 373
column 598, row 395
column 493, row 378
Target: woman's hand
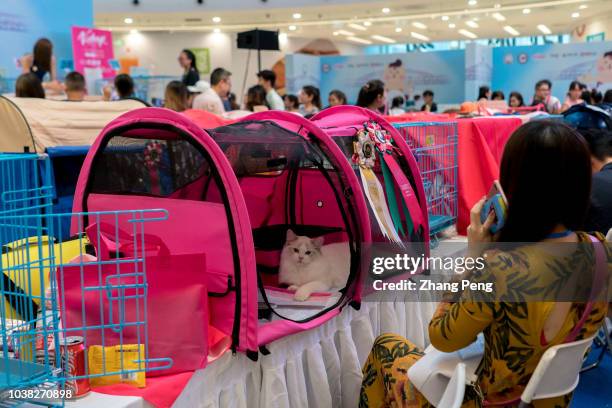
column 477, row 232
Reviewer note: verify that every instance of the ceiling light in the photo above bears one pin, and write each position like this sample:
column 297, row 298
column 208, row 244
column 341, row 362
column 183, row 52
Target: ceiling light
column 359, row 40
column 497, row 5
column 216, row 19
column 471, row 23
column 367, row 23
column 511, row 30
column 128, row 20
column 472, row 2
column 419, row 36
column 444, row 18
column 398, row 29
column 420, row 25
column 344, row 32
column 336, row 33
column 575, row 15
column 583, row 6
column 292, row 28
column 383, row 39
column 468, row 34
column 544, row 29
column 452, row 25
column 499, row 16
column 386, row 10
column 357, row 27
column 297, row 16
column 526, row 11
column 217, row 30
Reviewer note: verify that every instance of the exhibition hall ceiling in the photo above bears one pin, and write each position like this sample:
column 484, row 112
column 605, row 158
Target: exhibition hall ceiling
column 358, row 21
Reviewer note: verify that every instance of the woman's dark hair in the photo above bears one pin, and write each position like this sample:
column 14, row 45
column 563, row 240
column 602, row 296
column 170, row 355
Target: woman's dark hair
column 596, row 97
column 176, row 96
column 293, row 100
column 608, row 96
column 518, row 96
column 124, row 85
column 483, row 91
column 498, row 94
column 397, row 102
column 575, row 84
column 29, row 86
column 586, row 96
column 43, row 51
column 545, row 173
column 192, row 58
column 256, row 96
column 600, row 143
column 340, row 95
column 315, row 93
column 369, row 92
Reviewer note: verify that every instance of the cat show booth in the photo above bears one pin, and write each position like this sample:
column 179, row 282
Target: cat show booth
column 268, row 189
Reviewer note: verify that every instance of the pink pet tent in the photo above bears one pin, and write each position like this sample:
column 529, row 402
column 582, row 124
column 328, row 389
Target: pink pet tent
column 231, row 194
column 393, row 165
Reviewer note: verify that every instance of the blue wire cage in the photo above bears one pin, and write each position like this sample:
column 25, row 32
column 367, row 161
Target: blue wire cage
column 434, row 145
column 46, row 281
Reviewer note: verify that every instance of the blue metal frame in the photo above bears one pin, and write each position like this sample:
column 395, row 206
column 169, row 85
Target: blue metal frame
column 434, row 146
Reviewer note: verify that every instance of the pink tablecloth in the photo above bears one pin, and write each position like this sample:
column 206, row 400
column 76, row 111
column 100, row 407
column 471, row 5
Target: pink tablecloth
column 480, row 147
column 481, row 144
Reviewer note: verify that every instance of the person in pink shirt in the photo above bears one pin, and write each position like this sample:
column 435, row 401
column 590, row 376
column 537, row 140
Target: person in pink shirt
column 574, row 95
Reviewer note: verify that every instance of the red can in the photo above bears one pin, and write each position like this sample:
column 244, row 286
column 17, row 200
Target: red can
column 72, row 352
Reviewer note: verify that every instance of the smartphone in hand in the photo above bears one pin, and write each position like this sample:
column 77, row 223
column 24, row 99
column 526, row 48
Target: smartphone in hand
column 497, row 203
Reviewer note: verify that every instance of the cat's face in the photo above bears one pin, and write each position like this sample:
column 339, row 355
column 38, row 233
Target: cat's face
column 302, row 250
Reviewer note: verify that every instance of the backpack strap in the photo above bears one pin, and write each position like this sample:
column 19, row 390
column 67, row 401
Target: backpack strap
column 598, row 278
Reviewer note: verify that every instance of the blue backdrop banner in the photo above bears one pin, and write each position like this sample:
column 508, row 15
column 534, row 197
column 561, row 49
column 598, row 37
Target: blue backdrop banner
column 519, row 68
column 442, row 72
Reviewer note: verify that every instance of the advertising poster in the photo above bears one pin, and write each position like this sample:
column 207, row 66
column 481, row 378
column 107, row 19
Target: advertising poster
column 92, row 50
column 519, row 68
column 412, row 73
column 202, row 59
column 301, row 70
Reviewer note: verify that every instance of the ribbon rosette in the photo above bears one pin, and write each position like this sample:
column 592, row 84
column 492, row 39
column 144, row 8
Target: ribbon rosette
column 152, row 154
column 364, row 150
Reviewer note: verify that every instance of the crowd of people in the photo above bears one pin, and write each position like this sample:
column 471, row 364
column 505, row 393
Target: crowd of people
column 39, row 77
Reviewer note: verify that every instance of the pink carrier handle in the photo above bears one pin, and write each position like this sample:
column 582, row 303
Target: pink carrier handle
column 126, row 242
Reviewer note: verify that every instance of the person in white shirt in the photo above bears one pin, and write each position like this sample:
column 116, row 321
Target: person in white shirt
column 267, row 79
column 211, row 99
column 543, row 96
column 397, row 106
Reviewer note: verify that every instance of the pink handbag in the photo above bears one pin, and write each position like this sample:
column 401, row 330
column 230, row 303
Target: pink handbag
column 104, row 300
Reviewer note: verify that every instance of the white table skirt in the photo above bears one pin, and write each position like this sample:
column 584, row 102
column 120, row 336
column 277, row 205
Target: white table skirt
column 317, row 368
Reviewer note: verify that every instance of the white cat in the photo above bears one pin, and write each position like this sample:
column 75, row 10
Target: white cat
column 308, row 266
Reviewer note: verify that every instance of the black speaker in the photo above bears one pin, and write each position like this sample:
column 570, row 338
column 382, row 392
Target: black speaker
column 258, row 40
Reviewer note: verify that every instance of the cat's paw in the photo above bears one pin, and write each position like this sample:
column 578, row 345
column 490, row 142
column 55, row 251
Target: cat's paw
column 301, row 295
column 293, row 288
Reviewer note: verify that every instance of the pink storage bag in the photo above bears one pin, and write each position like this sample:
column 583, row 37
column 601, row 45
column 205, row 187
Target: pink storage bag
column 177, row 304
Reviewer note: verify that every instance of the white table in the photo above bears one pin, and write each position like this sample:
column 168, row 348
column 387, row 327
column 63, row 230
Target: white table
column 317, row 368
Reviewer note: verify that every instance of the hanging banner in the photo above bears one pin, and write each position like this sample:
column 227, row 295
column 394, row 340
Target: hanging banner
column 92, row 50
